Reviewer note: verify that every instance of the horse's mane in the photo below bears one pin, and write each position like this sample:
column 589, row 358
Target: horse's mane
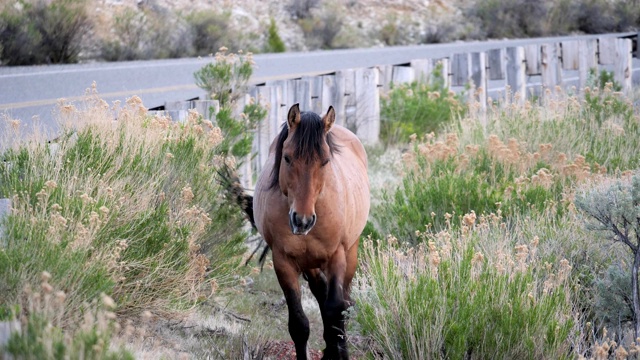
column 308, row 139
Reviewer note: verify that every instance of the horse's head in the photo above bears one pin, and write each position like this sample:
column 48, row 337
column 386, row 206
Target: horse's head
column 303, row 164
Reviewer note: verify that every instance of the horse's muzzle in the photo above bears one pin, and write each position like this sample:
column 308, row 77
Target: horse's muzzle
column 301, row 225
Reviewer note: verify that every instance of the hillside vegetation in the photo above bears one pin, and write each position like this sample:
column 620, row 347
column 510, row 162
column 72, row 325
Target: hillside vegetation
column 68, row 31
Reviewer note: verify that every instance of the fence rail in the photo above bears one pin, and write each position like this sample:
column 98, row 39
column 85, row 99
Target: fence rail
column 355, row 93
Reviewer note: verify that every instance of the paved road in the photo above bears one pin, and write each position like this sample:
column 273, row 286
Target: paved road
column 31, row 91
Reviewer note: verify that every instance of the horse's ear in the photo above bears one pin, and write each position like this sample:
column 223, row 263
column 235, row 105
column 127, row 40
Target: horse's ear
column 293, row 119
column 329, row 119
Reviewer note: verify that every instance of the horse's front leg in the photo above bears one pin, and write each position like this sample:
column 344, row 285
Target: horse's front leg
column 333, row 316
column 288, row 277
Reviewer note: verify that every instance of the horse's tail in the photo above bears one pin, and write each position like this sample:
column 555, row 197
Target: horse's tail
column 231, row 183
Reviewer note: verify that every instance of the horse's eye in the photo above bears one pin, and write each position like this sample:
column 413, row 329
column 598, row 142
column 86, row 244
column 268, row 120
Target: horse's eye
column 287, row 159
column 324, row 163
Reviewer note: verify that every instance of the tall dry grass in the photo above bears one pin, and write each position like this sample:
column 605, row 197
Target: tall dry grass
column 123, row 203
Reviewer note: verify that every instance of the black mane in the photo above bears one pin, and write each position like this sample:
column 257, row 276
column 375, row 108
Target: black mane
column 308, row 139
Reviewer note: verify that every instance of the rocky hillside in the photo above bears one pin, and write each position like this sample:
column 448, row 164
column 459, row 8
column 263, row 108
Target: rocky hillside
column 335, row 23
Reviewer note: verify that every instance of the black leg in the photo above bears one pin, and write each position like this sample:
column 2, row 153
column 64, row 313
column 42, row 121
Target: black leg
column 298, row 323
column 288, row 277
column 334, row 322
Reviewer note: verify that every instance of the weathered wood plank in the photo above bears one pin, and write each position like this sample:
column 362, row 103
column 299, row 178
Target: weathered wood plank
column 551, row 71
column 368, row 105
column 497, row 64
column 386, row 76
column 403, row 74
column 623, row 69
column 339, row 97
column 302, row 95
column 207, row 108
column 316, row 94
column 516, row 71
column 5, row 209
column 263, row 132
column 606, row 50
column 587, row 60
column 570, row 55
column 460, row 69
column 445, row 65
column 532, row 59
column 328, row 97
column 345, row 97
column 422, row 69
column 479, row 78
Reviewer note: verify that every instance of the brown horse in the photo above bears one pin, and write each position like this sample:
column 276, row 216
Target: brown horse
column 311, row 203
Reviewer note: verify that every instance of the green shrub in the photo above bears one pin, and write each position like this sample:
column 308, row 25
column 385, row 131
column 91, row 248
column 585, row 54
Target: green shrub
column 148, row 34
column 226, row 80
column 42, row 334
column 274, row 42
column 529, row 161
column 43, row 32
column 130, row 208
column 451, row 300
column 211, row 30
column 417, row 108
column 612, row 210
column 321, row 31
column 509, row 18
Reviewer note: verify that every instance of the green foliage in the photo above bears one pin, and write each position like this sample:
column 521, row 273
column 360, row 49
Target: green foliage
column 41, row 334
column 613, row 304
column 321, row 31
column 509, row 18
column 601, row 80
column 133, row 211
column 450, row 302
column 226, row 78
column 274, row 42
column 612, row 210
column 211, row 30
column 147, row 34
column 417, row 108
column 43, row 32
column 485, row 185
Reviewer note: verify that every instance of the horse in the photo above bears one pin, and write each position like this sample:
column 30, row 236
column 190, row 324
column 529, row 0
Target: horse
column 310, row 204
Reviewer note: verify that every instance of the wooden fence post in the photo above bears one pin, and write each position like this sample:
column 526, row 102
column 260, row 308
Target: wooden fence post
column 479, row 78
column 516, row 72
column 316, row 94
column 532, row 59
column 551, row 71
column 570, row 55
column 446, row 71
column 346, row 94
column 303, row 93
column 367, row 105
column 497, row 64
column 587, row 60
column 386, row 76
column 460, row 69
column 623, row 69
column 606, row 50
column 328, row 97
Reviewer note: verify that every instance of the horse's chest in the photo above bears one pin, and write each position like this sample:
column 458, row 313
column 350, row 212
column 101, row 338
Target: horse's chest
column 307, row 252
